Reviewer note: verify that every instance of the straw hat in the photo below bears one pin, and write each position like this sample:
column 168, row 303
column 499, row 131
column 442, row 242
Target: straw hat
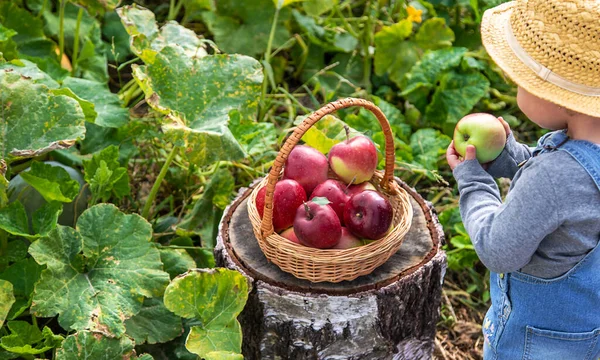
column 551, row 48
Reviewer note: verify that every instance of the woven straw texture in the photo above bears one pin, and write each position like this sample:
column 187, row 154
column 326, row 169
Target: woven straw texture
column 562, row 35
column 332, row 265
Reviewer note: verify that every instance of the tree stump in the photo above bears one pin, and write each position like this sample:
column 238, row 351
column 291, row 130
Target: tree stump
column 388, row 314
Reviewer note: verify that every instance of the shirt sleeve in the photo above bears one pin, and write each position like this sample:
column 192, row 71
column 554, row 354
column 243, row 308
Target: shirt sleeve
column 506, row 235
column 507, row 163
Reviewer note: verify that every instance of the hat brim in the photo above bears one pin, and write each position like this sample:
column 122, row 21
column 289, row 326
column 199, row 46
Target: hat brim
column 494, row 37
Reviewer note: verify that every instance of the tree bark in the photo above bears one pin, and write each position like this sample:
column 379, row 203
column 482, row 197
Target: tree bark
column 388, row 314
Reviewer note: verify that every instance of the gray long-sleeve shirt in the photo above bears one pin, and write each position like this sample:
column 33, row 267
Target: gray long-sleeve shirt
column 549, row 220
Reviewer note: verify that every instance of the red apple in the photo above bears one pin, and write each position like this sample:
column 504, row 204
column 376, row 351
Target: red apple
column 307, row 166
column 290, row 235
column 348, row 240
column 335, row 191
column 482, row 130
column 354, row 160
column 355, row 189
column 368, row 215
column 288, row 195
column 317, row 225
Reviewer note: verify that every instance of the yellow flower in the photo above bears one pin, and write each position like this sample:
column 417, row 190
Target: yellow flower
column 414, row 15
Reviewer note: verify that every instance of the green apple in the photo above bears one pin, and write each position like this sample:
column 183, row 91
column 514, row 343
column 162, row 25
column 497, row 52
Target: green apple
column 484, row 131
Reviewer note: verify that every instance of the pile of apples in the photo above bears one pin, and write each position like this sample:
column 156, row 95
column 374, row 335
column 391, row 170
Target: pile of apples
column 339, row 214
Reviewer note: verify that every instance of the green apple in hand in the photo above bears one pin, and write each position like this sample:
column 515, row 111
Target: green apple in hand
column 484, row 131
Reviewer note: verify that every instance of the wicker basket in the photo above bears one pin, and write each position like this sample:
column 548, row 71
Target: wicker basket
column 332, row 265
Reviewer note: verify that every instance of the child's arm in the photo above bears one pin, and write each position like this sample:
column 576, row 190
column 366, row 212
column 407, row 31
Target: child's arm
column 507, row 164
column 505, row 235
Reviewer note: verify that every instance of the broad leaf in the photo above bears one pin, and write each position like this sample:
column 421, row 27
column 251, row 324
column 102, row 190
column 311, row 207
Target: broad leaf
column 8, row 47
column 27, row 339
column 325, row 133
column 424, row 75
column 35, row 120
column 31, row 71
column 154, row 324
column 318, row 7
column 23, row 274
column 147, row 40
column 434, row 34
column 215, row 298
column 97, row 275
column 107, row 105
column 198, row 95
column 223, row 355
column 176, row 261
column 90, row 345
column 6, row 299
column 427, row 147
column 394, row 54
column 455, row 97
column 256, row 138
column 13, row 219
column 53, row 182
column 244, row 26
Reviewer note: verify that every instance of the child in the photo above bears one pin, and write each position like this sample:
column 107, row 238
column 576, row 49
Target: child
column 542, row 243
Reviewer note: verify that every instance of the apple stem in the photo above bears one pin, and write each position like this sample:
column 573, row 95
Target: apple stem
column 308, row 212
column 351, row 182
column 347, row 132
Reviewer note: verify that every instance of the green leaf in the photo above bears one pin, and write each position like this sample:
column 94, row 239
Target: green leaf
column 53, row 182
column 147, row 40
column 198, row 95
column 6, row 299
column 325, row 133
column 106, row 176
column 212, row 338
column 154, row 324
column 318, row 7
column 222, row 355
column 176, row 261
column 320, row 200
column 31, row 71
column 283, row 3
column 243, row 27
column 46, row 217
column 427, row 147
column 394, row 54
column 8, row 47
column 106, row 284
column 215, row 298
column 327, row 38
column 424, row 74
column 27, row 339
column 13, row 219
column 86, row 106
column 23, row 274
column 107, row 105
column 455, row 97
column 35, row 120
column 434, row 34
column 117, row 37
column 256, row 138
column 91, row 345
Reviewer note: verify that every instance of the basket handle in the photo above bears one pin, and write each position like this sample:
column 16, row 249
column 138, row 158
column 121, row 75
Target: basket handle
column 388, row 177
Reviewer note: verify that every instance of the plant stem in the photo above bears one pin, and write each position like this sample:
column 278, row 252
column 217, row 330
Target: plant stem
column 76, row 41
column 157, row 182
column 61, row 29
column 268, row 61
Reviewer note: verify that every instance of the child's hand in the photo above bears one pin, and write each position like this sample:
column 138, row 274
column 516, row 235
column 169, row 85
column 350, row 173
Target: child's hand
column 505, row 124
column 454, row 157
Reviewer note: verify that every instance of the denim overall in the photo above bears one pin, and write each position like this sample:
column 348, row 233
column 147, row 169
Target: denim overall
column 549, row 319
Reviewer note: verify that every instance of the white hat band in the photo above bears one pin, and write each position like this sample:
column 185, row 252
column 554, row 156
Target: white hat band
column 542, row 71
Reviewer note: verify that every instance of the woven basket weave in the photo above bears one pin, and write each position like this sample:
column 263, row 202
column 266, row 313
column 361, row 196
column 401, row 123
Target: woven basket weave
column 332, row 265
